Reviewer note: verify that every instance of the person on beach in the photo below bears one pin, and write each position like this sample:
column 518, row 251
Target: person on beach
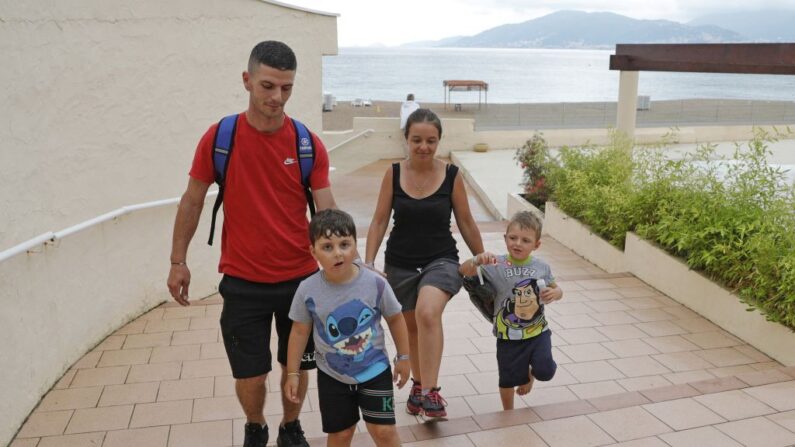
column 522, row 285
column 407, row 108
column 421, row 256
column 264, row 249
column 345, row 302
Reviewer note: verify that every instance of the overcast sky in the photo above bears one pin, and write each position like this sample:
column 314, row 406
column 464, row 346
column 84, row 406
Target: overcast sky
column 373, row 22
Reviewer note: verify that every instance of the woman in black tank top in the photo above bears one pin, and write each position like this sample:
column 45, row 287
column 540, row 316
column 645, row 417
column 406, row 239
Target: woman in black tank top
column 421, row 258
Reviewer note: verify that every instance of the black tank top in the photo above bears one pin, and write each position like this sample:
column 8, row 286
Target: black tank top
column 421, row 230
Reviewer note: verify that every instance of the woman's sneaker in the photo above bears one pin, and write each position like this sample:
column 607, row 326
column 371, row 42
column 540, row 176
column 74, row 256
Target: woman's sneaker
column 433, row 404
column 414, row 404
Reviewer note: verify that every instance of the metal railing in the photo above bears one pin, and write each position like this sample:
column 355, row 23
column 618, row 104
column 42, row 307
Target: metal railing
column 51, row 237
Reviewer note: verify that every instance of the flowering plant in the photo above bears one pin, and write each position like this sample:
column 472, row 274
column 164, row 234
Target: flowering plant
column 535, row 161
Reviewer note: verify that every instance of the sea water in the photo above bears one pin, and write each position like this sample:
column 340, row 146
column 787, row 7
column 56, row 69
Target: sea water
column 524, row 76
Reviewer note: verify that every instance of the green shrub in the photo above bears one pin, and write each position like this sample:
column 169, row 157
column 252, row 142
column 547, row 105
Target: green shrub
column 733, row 220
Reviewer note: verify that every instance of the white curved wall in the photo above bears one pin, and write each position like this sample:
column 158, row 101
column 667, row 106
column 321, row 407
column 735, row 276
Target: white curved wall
column 103, row 101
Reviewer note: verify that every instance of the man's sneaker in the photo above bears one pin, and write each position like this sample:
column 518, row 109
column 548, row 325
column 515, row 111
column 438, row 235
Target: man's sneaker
column 291, row 435
column 414, row 404
column 433, row 404
column 256, row 435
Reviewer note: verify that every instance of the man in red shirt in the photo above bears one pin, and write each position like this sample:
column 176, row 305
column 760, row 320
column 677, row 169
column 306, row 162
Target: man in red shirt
column 265, row 243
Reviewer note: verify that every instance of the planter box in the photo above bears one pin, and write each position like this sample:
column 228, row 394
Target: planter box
column 573, row 234
column 671, row 276
column 517, row 203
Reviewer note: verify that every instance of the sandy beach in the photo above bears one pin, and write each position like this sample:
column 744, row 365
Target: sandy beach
column 583, row 114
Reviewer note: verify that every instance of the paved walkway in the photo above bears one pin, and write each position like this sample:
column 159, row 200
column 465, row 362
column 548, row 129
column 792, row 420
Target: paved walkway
column 635, row 369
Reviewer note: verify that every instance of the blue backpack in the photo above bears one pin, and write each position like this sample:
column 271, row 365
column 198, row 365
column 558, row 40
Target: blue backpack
column 222, row 150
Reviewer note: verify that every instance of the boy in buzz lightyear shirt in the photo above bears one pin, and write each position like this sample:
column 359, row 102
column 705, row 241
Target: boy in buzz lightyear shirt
column 523, row 284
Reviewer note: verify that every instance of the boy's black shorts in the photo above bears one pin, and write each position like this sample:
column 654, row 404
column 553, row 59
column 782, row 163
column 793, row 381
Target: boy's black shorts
column 249, row 309
column 340, row 402
column 515, row 357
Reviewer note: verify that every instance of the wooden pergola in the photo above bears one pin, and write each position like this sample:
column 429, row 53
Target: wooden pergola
column 744, row 58
column 465, row 86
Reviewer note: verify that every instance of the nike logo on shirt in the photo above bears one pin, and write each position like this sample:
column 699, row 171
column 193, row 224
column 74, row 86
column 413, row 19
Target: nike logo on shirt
column 289, row 161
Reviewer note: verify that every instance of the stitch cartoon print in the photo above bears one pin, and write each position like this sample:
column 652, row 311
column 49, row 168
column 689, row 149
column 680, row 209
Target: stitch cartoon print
column 350, row 329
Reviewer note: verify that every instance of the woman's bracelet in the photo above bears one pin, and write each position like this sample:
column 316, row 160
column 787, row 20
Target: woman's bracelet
column 179, row 263
column 296, row 374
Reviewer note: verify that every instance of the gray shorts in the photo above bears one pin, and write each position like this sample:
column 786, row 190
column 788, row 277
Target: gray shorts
column 441, row 273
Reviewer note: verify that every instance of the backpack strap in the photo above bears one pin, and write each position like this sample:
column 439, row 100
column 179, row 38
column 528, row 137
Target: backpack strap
column 222, row 150
column 305, row 152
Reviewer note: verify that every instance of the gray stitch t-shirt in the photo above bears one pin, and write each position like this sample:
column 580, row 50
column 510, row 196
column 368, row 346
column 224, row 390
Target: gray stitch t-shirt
column 518, row 312
column 349, row 338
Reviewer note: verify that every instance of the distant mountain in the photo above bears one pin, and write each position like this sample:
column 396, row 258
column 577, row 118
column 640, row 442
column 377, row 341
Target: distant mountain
column 756, row 26
column 577, row 29
column 447, row 41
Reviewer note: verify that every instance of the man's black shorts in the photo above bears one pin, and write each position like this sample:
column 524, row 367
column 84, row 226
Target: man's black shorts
column 249, row 309
column 340, row 402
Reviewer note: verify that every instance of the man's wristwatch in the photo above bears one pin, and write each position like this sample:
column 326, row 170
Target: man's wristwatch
column 399, row 357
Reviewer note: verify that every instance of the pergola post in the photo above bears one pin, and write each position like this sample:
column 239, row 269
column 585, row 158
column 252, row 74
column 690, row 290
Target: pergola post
column 626, row 112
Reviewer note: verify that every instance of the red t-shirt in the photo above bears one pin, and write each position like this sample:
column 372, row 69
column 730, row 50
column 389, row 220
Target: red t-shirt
column 265, row 237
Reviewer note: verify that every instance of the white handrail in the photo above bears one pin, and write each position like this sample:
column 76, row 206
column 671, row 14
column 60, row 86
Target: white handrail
column 50, row 236
column 363, row 133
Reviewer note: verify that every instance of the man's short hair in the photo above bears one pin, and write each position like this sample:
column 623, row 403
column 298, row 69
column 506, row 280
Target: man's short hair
column 274, row 54
column 329, row 223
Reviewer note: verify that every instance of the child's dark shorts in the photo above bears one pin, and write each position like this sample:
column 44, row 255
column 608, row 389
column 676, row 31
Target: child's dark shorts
column 340, row 402
column 249, row 309
column 515, row 357
column 406, row 283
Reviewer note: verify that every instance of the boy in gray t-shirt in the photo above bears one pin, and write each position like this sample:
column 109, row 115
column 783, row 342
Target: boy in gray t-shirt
column 344, row 303
column 520, row 285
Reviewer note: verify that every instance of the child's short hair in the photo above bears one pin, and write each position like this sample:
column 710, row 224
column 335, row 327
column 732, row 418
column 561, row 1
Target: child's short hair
column 329, row 223
column 527, row 221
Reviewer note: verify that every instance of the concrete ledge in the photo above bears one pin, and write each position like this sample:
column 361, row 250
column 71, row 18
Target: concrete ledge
column 674, row 278
column 573, row 234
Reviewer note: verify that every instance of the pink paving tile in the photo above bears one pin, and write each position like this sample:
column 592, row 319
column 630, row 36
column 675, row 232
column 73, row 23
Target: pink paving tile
column 575, row 321
column 621, row 332
column 112, row 342
column 630, row 348
column 724, row 357
column 177, row 324
column 643, row 383
column 587, row 352
column 484, row 382
column 785, row 419
column 660, row 328
column 70, row 399
column 670, row 344
column 30, row 442
column 758, row 432
column 612, row 318
column 593, row 371
column 549, row 395
column 192, row 369
column 700, row 437
column 607, row 305
column 780, row 396
column 753, row 353
column 629, row 423
column 198, row 336
column 100, row 419
column 184, row 312
column 637, row 291
column 564, row 409
column 681, row 361
column 489, row 403
column 125, row 357
column 577, row 336
column 733, row 405
column 731, row 370
column 714, row 339
column 134, row 327
column 204, row 323
column 596, row 389
column 216, row 408
column 186, row 389
column 213, row 351
column 147, row 340
column 202, row 434
column 144, row 437
column 452, row 441
column 444, row 429
column 688, row 376
column 164, row 354
column 718, row 385
column 639, row 366
column 691, row 321
column 128, row 394
column 682, row 414
column 89, row 360
column 617, row 401
column 100, row 376
column 162, row 413
column 764, row 377
column 49, row 423
column 80, row 440
column 507, row 418
column 518, row 435
column 154, row 373
column 461, row 364
column 65, row 380
column 647, row 315
column 672, row 392
column 576, row 431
